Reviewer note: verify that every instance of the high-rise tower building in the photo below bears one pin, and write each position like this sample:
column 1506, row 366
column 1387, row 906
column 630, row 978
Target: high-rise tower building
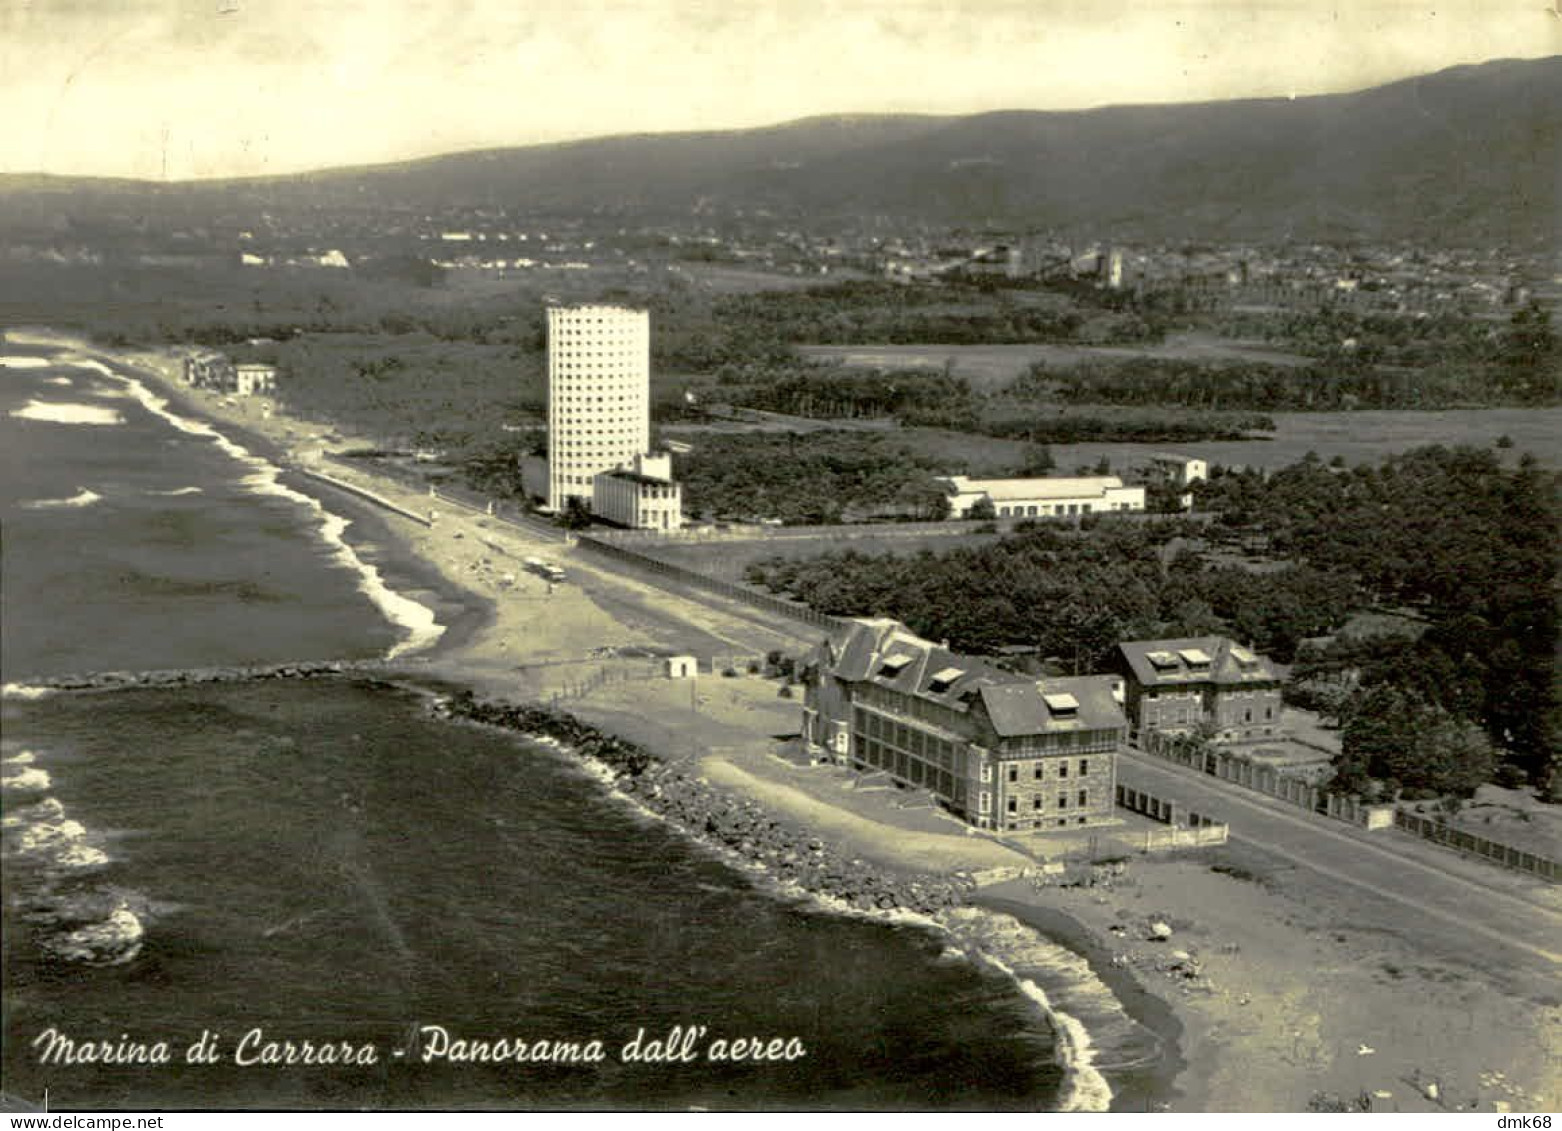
column 599, row 395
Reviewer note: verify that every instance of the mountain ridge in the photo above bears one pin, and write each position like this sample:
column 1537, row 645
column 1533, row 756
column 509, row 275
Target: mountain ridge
column 1474, row 148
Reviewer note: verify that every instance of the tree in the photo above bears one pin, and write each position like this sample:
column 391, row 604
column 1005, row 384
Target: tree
column 1394, row 735
column 1038, row 460
column 577, row 513
column 982, row 509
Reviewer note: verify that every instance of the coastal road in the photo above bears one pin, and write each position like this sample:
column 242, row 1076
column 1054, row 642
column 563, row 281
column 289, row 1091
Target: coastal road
column 1462, row 898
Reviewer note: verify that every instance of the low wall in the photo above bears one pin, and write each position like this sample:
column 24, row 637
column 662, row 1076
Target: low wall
column 1269, row 781
column 1138, row 801
column 366, row 494
column 1165, row 840
column 659, row 571
column 753, row 532
column 1185, row 829
column 1505, row 854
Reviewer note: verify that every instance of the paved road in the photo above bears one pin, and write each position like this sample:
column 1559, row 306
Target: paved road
column 1462, row 896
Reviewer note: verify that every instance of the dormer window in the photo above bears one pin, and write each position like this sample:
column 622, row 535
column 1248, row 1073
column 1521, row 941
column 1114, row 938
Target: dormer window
column 894, row 665
column 1062, row 705
column 943, row 680
column 1196, row 658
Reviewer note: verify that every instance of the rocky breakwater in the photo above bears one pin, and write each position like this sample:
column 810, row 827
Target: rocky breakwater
column 715, row 816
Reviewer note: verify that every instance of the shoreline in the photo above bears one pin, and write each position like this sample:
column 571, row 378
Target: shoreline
column 447, row 660
column 1150, row 1085
column 1249, row 1040
column 343, row 519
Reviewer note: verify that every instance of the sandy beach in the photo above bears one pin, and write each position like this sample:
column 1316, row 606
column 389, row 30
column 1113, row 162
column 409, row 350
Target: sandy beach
column 1301, row 990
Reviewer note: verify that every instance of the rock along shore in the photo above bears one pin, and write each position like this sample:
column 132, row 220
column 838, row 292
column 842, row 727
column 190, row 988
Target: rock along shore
column 715, row 816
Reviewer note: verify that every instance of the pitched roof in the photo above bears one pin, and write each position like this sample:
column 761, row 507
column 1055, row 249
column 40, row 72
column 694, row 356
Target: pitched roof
column 888, row 654
column 1040, row 706
column 1200, row 659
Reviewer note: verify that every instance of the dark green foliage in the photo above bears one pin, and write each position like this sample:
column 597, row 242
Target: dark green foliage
column 1448, row 532
column 952, row 314
column 576, row 514
column 1395, row 736
column 1393, row 361
column 1074, row 595
column 911, row 396
column 813, row 477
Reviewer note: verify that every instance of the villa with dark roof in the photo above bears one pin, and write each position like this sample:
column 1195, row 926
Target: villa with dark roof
column 1173, row 686
column 1001, row 750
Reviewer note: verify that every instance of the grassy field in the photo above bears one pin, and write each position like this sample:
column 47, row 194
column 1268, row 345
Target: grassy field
column 1364, row 436
column 989, row 367
column 1509, row 816
column 728, row 559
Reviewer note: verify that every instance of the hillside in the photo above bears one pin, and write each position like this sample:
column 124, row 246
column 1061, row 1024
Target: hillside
column 1466, row 155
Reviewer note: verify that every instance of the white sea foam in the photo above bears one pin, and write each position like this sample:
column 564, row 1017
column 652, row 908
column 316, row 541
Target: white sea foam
column 1084, row 1086
column 49, row 809
column 28, row 779
column 177, row 491
column 49, row 837
column 20, row 758
column 78, row 856
column 95, row 366
column 416, row 620
column 113, row 942
column 82, row 498
column 25, row 362
column 63, row 381
column 55, row 412
column 24, row 691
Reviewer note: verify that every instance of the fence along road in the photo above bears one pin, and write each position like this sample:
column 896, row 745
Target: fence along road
column 1496, row 907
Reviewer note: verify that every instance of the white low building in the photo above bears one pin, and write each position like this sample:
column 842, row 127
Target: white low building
column 1042, row 498
column 253, row 378
column 641, row 495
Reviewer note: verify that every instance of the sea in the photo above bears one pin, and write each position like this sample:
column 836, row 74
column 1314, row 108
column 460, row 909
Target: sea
column 315, row 895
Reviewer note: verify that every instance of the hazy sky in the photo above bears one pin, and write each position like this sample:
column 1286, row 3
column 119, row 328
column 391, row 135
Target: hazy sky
column 196, row 88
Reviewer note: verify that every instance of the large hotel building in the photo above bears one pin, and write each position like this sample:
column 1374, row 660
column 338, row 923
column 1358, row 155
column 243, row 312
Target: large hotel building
column 599, row 395
column 1003, row 751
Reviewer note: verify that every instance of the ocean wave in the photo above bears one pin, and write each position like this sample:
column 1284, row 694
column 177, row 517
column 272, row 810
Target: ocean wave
column 88, row 363
column 177, row 491
column 1085, row 1088
column 25, row 362
column 417, row 621
column 20, row 758
column 48, row 837
column 28, row 779
column 78, row 857
column 82, row 498
column 24, row 691
column 51, row 839
column 49, row 809
column 63, row 381
column 58, row 412
column 113, row 942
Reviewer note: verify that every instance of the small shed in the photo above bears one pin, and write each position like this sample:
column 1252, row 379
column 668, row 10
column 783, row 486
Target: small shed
column 682, row 667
